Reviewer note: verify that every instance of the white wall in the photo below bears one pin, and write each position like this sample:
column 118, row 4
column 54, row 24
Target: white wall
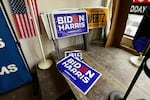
column 30, row 46
column 54, row 4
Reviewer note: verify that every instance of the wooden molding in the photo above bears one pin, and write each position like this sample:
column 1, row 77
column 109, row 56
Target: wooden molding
column 120, row 14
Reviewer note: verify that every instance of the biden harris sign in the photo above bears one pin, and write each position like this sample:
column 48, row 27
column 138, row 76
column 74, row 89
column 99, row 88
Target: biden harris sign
column 69, row 23
column 78, row 73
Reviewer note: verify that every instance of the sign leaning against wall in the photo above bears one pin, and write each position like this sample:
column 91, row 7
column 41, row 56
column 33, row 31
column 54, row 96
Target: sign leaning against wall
column 13, row 70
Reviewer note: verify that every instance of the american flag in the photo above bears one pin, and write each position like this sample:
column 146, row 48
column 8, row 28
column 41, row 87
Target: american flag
column 22, row 17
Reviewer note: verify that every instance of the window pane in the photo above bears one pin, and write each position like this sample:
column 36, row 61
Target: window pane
column 132, row 24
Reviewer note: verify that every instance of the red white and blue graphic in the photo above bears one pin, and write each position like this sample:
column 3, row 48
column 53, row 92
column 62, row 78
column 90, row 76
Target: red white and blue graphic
column 78, row 73
column 75, row 53
column 69, row 24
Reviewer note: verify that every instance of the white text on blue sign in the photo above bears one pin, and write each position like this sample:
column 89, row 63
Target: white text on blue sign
column 71, row 22
column 76, row 54
column 73, row 67
column 79, row 73
column 11, row 68
column 2, row 44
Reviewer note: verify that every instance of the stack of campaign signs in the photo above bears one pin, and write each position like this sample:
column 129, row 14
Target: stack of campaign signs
column 73, row 21
column 81, row 75
column 65, row 23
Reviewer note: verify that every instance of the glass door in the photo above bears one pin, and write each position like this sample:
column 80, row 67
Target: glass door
column 134, row 19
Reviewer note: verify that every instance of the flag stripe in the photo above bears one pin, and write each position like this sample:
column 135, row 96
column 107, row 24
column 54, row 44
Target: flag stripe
column 22, row 25
column 30, row 26
column 30, row 19
column 27, row 26
column 38, row 18
column 34, row 32
column 17, row 25
column 34, row 3
column 34, row 8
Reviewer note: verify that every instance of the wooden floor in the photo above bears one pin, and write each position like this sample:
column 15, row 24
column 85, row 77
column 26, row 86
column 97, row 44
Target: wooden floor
column 113, row 63
column 117, row 72
column 25, row 92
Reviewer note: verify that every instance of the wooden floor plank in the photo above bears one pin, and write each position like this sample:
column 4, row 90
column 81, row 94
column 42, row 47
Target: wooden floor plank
column 117, row 72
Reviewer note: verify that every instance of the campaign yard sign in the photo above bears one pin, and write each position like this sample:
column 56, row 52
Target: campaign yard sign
column 75, row 53
column 97, row 17
column 78, row 73
column 69, row 23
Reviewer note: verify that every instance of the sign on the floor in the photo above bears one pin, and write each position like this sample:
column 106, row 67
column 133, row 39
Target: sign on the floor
column 75, row 53
column 78, row 73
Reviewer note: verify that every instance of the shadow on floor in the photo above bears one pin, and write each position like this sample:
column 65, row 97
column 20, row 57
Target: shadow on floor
column 25, row 92
column 68, row 96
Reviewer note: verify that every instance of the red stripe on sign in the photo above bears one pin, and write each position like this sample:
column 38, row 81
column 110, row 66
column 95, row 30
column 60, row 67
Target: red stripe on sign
column 141, row 1
column 83, row 69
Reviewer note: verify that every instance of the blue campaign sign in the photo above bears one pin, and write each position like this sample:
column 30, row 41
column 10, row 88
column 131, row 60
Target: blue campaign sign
column 68, row 24
column 79, row 73
column 75, row 53
column 13, row 71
